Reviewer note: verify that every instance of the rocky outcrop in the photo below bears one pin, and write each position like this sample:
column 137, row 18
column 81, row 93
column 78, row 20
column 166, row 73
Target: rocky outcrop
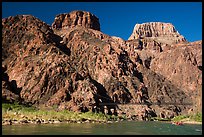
column 33, row 59
column 161, row 32
column 10, row 92
column 74, row 66
column 183, row 67
column 74, row 18
column 24, row 33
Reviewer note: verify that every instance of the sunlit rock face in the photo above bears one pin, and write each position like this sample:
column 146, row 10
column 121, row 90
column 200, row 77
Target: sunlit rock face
column 74, row 18
column 163, row 32
column 72, row 65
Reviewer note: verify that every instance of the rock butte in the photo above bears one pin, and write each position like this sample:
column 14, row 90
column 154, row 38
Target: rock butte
column 162, row 32
column 74, row 18
column 73, row 65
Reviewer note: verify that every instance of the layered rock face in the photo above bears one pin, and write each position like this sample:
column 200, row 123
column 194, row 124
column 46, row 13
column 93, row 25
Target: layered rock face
column 74, row 66
column 74, row 18
column 162, row 32
column 183, row 67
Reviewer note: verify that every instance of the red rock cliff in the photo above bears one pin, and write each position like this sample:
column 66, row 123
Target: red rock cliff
column 74, row 18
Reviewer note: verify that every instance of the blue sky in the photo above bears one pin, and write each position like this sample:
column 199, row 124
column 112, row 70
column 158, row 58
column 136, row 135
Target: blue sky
column 119, row 18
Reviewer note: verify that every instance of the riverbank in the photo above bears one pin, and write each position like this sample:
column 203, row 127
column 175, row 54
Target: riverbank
column 189, row 119
column 19, row 114
column 192, row 122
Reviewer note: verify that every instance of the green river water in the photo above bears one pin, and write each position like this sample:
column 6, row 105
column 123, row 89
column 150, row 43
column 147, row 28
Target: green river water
column 119, row 128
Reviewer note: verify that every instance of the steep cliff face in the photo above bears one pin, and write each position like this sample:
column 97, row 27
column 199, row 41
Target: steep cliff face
column 32, row 58
column 74, row 66
column 163, row 32
column 74, row 18
column 23, row 32
column 183, row 67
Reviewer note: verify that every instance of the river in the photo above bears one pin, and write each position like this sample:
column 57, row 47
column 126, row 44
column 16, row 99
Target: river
column 119, row 128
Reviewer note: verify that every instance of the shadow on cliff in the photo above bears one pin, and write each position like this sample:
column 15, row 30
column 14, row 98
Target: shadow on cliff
column 12, row 87
column 102, row 97
column 62, row 46
column 163, row 93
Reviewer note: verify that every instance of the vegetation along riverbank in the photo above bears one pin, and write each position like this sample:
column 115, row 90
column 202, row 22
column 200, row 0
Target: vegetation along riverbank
column 21, row 114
